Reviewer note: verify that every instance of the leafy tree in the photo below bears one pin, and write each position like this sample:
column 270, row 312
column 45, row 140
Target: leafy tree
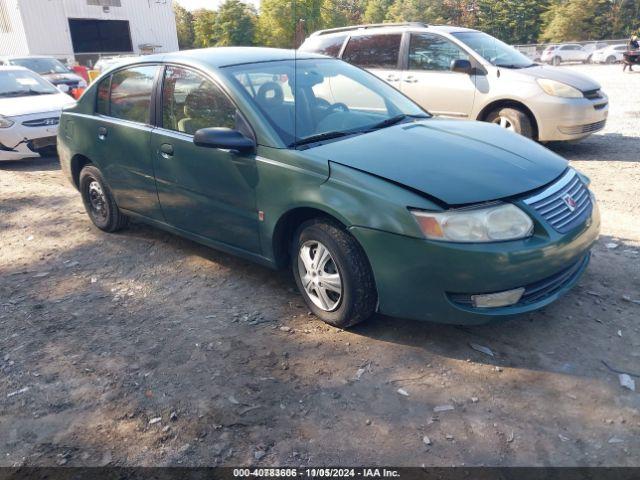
column 184, row 24
column 204, row 26
column 235, row 24
column 513, row 21
column 376, row 11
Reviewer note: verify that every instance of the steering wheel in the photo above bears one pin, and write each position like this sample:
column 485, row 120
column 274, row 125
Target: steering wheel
column 338, row 107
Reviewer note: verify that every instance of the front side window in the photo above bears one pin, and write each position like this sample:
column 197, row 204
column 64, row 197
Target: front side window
column 433, row 52
column 131, row 91
column 373, row 51
column 191, row 102
column 301, row 99
column 494, row 51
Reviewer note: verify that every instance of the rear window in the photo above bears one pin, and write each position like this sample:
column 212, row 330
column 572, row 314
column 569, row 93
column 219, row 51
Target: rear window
column 373, row 51
column 130, row 96
column 326, row 45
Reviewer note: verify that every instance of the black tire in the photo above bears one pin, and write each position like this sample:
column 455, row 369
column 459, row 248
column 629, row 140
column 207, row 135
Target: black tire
column 556, row 61
column 611, row 60
column 519, row 119
column 359, row 298
column 106, row 216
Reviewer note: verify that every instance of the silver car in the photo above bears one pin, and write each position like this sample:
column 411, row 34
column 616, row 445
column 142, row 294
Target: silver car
column 463, row 73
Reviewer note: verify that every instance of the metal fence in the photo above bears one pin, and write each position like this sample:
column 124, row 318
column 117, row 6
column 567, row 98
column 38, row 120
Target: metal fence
column 535, row 51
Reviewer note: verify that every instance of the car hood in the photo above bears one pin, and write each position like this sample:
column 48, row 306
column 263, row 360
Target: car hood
column 457, row 162
column 57, row 78
column 27, row 105
column 564, row 75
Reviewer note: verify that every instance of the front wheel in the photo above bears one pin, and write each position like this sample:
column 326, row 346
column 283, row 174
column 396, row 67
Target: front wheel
column 333, row 274
column 99, row 202
column 556, row 61
column 512, row 119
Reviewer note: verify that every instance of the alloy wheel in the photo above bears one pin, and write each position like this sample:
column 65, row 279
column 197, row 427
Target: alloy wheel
column 505, row 123
column 320, row 276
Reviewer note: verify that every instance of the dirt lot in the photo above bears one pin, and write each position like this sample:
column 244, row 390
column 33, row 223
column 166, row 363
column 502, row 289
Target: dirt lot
column 141, row 348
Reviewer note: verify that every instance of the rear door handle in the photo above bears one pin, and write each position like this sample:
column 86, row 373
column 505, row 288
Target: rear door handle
column 392, row 78
column 410, row 79
column 166, row 150
column 102, row 133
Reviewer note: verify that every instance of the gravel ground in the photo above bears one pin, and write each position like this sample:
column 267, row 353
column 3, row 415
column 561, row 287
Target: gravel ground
column 141, row 348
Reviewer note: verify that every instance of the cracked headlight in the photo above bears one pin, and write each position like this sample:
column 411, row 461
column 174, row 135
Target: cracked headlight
column 5, row 122
column 473, row 225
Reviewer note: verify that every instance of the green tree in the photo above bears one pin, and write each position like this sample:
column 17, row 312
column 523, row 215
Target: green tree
column 279, row 19
column 513, row 21
column 376, row 11
column 235, row 24
column 574, row 20
column 204, row 26
column 184, row 24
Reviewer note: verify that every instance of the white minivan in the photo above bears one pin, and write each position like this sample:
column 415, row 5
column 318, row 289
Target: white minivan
column 463, row 73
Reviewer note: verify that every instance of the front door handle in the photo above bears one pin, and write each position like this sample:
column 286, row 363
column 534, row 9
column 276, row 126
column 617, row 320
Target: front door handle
column 166, row 150
column 392, row 78
column 410, row 79
column 102, row 133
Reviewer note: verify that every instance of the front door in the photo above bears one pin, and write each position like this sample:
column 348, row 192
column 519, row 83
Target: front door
column 429, row 81
column 205, row 191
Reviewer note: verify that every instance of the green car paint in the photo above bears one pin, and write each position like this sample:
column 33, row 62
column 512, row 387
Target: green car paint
column 249, row 204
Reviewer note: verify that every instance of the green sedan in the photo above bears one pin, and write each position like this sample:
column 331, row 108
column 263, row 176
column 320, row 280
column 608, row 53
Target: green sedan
column 310, row 163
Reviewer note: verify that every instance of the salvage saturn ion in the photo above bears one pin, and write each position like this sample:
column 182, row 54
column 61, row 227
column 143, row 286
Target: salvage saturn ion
column 373, row 204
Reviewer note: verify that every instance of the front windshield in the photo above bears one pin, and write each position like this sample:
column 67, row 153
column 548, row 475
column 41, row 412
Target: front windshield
column 43, row 66
column 20, row 83
column 308, row 99
column 493, row 50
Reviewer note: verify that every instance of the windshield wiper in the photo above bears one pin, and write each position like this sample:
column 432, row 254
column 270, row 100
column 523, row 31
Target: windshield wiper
column 318, row 138
column 394, row 120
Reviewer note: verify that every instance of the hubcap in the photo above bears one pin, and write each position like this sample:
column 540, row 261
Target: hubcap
column 504, row 122
column 97, row 200
column 319, row 275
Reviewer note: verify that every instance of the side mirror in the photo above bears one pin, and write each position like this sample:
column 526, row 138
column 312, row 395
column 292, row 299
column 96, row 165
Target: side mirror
column 461, row 66
column 224, row 138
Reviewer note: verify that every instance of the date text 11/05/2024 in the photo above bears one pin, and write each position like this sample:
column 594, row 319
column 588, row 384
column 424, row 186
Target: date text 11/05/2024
column 316, row 472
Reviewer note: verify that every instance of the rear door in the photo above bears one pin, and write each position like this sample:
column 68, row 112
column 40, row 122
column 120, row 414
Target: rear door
column 429, row 81
column 378, row 53
column 206, row 191
column 121, row 135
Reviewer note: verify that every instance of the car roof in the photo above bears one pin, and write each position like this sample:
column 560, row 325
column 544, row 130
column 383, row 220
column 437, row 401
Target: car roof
column 218, row 57
column 369, row 29
column 17, row 57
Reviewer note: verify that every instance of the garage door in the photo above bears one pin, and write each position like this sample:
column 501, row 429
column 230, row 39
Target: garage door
column 100, row 36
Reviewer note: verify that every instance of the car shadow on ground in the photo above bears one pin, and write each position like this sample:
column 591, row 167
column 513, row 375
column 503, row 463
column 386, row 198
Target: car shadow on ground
column 34, row 164
column 603, row 147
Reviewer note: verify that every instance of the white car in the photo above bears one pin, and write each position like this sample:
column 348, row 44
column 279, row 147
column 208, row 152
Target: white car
column 610, row 54
column 30, row 110
column 567, row 52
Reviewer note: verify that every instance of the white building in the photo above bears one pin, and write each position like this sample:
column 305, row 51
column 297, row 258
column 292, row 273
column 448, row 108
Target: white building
column 84, row 30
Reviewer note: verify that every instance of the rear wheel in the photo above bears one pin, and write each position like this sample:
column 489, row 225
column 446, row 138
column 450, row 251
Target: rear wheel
column 512, row 119
column 99, row 202
column 333, row 274
column 611, row 59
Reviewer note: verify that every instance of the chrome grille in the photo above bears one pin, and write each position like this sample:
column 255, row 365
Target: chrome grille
column 42, row 122
column 565, row 204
